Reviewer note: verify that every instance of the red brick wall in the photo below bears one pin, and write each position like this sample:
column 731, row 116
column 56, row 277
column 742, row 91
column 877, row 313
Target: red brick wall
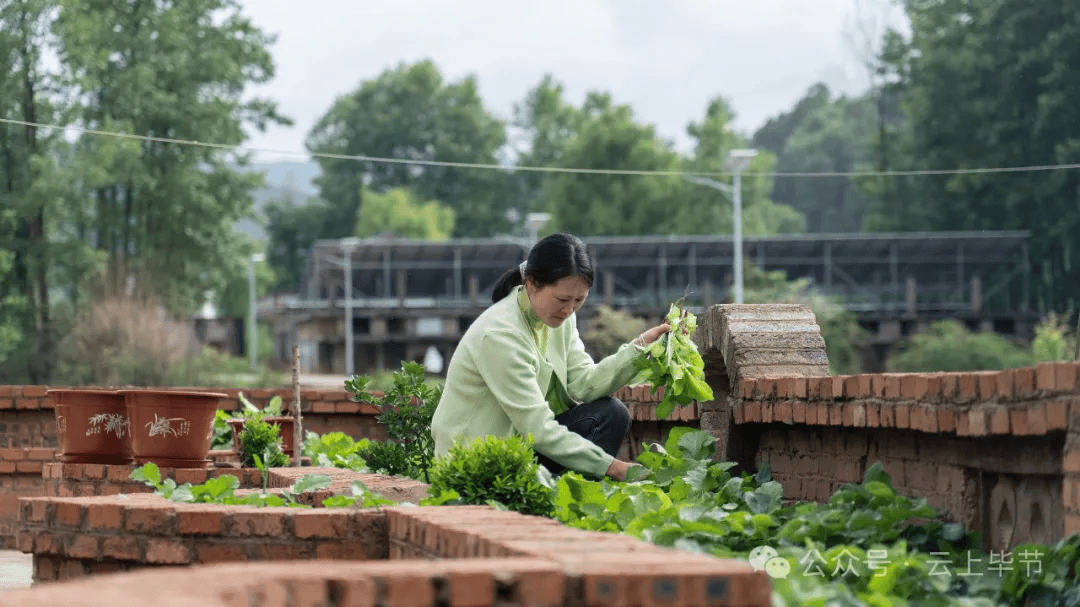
column 997, row 450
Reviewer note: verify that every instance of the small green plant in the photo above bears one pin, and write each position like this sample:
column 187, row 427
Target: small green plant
column 222, row 490
column 361, row 495
column 335, row 450
column 250, row 411
column 406, row 412
column 260, row 439
column 222, row 431
column 492, row 470
column 673, row 362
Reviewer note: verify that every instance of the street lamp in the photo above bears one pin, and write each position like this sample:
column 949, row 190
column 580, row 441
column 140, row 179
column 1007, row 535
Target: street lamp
column 347, row 246
column 253, row 340
column 533, row 223
column 738, row 161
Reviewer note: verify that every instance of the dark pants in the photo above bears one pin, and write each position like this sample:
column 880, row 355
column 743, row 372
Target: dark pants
column 604, row 422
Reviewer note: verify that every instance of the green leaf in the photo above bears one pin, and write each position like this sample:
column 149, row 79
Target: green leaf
column 697, row 444
column 876, row 472
column 147, row 473
column 311, row 482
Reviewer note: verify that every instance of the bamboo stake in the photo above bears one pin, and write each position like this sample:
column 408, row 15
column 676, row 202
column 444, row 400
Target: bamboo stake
column 298, row 432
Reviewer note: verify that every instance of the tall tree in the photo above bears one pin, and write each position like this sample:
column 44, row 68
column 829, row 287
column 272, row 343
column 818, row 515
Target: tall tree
column 993, row 84
column 163, row 211
column 410, row 113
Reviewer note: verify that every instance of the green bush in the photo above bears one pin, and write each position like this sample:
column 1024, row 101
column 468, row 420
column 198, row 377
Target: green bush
column 491, row 469
column 261, row 438
column 947, row 345
column 387, row 457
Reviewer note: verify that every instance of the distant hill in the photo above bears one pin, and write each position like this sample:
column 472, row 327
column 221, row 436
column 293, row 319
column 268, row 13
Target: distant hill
column 280, row 178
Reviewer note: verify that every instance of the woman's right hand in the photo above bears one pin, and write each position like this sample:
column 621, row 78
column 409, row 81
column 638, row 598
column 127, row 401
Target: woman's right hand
column 617, row 469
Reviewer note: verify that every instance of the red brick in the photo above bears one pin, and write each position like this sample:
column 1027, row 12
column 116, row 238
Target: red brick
column 82, row 547
column 873, row 415
column 1071, row 461
column 34, row 391
column 221, row 553
column 800, row 387
column 85, row 490
column 8, row 390
column 978, row 423
column 291, row 552
column 322, row 407
column 41, row 455
column 36, row 510
column 782, row 412
column 1006, row 384
column 1065, row 376
column 1018, row 422
column 27, row 467
column 167, row 552
column 346, row 407
column 7, row 403
column 94, row 471
column 847, row 414
column 1057, row 415
column 851, row 387
column 27, row 403
column 903, row 415
column 968, row 387
column 69, row 514
column 123, row 548
column 311, row 524
column 104, row 516
column 767, row 411
column 738, row 413
column 190, row 475
column 892, row 386
column 405, row 588
column 12, row 454
column 261, row 523
column 753, row 412
column 1036, row 418
column 1044, row 377
column 877, row 385
column 200, row 522
column 45, row 544
column 988, row 384
column 156, row 520
column 1072, row 523
column 820, row 387
column 946, row 419
column 746, row 389
column 914, row 386
column 1024, row 382
column 836, row 414
column 950, row 383
column 7, row 467
column 798, row 412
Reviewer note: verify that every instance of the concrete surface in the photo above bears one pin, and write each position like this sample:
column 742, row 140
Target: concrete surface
column 16, row 569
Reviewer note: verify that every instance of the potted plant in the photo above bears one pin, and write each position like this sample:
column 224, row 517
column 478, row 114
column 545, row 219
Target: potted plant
column 92, row 426
column 271, row 414
column 172, row 428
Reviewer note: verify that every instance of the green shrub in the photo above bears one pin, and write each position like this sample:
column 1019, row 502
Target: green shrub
column 387, row 457
column 947, row 345
column 491, row 469
column 261, row 438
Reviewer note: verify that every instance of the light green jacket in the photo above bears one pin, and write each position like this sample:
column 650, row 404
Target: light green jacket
column 496, row 381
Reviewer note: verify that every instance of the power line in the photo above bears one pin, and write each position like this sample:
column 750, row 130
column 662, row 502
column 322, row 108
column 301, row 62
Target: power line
column 471, row 165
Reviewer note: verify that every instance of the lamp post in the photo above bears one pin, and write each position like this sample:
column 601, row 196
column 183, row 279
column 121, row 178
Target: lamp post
column 253, row 339
column 533, row 223
column 348, row 245
column 737, row 162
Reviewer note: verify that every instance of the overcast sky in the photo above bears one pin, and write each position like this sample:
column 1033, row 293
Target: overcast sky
column 666, row 58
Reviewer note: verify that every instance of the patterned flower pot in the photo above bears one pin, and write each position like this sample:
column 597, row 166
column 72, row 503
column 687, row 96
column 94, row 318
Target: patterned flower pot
column 173, row 429
column 285, row 423
column 92, row 426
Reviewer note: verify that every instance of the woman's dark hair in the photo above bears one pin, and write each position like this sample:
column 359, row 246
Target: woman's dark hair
column 553, row 258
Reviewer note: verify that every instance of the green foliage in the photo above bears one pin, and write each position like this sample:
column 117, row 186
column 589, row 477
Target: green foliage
column 406, row 411
column 222, row 490
column 674, row 363
column 410, row 111
column 493, row 470
column 1053, row 341
column 260, row 443
column 947, row 345
column 335, row 449
column 400, row 212
column 250, row 412
column 361, row 497
column 609, row 329
column 840, row 329
column 222, row 431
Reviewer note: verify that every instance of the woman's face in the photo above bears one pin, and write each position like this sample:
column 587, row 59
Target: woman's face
column 555, row 303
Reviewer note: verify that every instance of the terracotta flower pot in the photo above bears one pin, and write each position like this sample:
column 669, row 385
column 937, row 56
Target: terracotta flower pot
column 92, row 426
column 173, row 429
column 285, row 423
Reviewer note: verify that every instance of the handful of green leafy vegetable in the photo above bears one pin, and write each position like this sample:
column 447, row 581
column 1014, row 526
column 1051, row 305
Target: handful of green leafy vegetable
column 673, row 362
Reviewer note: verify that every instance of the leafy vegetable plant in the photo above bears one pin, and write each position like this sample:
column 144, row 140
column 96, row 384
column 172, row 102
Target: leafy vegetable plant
column 261, row 439
column 495, row 471
column 406, row 412
column 222, row 490
column 673, row 362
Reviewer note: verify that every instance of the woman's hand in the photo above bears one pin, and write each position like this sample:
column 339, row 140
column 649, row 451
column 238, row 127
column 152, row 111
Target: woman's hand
column 617, row 469
column 652, row 334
